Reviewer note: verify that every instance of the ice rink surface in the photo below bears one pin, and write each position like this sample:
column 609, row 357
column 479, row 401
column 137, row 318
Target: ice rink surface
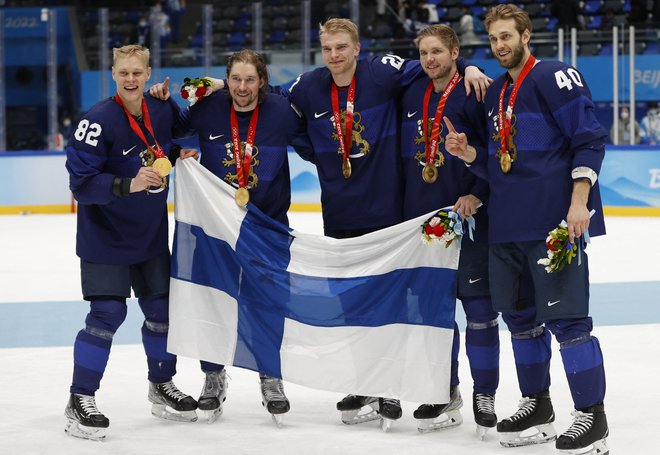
column 41, row 312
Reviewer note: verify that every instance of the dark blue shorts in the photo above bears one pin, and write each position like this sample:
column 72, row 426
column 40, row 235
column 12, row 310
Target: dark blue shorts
column 558, row 295
column 147, row 278
column 472, row 276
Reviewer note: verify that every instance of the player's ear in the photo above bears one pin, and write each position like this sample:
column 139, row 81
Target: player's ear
column 148, row 72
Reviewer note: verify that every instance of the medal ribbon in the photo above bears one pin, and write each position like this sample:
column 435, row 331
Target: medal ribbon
column 431, row 143
column 345, row 138
column 244, row 162
column 158, row 151
column 504, row 121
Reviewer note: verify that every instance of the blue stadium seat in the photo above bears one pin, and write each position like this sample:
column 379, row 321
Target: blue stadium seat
column 593, row 23
column 592, row 6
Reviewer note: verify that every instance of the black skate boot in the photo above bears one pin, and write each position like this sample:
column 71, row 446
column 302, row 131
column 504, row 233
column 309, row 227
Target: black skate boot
column 587, row 433
column 214, row 394
column 351, row 405
column 483, row 405
column 84, row 418
column 433, row 417
column 273, row 398
column 170, row 403
column 389, row 410
column 535, row 414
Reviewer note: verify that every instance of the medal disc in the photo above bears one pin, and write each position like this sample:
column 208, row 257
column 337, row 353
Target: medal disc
column 429, row 173
column 505, row 162
column 242, row 196
column 346, row 168
column 163, row 166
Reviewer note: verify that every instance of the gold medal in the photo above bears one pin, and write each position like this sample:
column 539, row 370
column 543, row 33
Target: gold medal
column 505, row 162
column 429, row 173
column 242, row 196
column 346, row 168
column 163, row 166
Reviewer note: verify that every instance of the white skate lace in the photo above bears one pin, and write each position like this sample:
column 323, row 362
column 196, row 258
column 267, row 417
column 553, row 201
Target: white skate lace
column 88, row 404
column 171, row 391
column 525, row 407
column 214, row 384
column 485, row 403
column 272, row 389
column 580, row 425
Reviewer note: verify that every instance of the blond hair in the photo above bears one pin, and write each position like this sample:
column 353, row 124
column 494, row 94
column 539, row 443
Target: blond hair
column 339, row 25
column 508, row 11
column 444, row 33
column 131, row 50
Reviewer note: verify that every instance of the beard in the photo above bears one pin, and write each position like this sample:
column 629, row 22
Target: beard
column 516, row 58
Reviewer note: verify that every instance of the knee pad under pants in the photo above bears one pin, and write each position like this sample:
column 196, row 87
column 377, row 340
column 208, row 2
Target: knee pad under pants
column 531, row 350
column 91, row 348
column 482, row 343
column 161, row 364
column 582, row 359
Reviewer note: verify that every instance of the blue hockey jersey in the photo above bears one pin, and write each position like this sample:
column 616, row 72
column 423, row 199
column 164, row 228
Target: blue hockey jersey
column 114, row 229
column 554, row 130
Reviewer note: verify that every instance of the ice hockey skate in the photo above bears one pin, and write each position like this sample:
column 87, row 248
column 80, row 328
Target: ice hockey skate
column 389, row 410
column 213, row 395
column 273, row 398
column 587, row 433
column 433, row 417
column 351, row 407
column 483, row 406
column 531, row 424
column 84, row 419
column 170, row 403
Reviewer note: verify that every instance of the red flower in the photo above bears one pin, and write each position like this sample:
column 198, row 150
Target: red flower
column 554, row 245
column 428, row 230
column 200, row 92
column 439, row 230
column 184, row 94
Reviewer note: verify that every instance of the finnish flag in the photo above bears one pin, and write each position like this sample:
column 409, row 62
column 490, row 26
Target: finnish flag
column 371, row 315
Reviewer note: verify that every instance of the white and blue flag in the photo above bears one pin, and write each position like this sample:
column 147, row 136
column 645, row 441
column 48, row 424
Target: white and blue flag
column 371, row 315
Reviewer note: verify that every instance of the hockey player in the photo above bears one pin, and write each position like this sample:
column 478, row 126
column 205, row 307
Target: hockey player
column 117, row 159
column 435, row 179
column 544, row 154
column 243, row 135
column 350, row 107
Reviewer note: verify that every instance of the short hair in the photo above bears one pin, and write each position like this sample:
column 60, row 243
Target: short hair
column 509, row 11
column 444, row 33
column 338, row 25
column 253, row 58
column 131, row 50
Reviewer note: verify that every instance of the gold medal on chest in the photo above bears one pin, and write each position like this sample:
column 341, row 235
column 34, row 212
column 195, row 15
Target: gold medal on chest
column 346, row 168
column 429, row 173
column 242, row 196
column 163, row 166
column 505, row 162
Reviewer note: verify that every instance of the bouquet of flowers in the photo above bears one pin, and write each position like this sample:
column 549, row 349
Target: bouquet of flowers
column 443, row 226
column 560, row 250
column 194, row 90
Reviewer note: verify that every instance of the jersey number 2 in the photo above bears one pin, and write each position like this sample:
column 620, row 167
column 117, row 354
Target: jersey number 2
column 88, row 132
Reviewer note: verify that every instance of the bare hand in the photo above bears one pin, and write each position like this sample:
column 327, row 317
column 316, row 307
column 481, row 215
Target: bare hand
column 188, row 153
column 161, row 90
column 475, row 79
column 145, row 178
column 456, row 143
column 467, row 205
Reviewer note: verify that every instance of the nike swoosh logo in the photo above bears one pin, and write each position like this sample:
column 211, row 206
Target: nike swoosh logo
column 491, row 111
column 316, row 115
column 553, row 303
column 126, row 152
column 410, row 114
column 212, row 137
column 471, row 281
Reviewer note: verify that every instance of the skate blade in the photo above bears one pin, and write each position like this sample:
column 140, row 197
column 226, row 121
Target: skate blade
column 212, row 415
column 386, row 424
column 539, row 434
column 481, row 432
column 165, row 412
column 354, row 417
column 73, row 428
column 597, row 448
column 442, row 422
column 278, row 420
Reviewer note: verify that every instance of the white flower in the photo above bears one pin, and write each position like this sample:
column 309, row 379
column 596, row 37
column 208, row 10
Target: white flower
column 434, row 221
column 543, row 261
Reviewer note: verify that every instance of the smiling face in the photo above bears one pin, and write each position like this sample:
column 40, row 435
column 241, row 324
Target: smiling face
column 340, row 53
column 508, row 45
column 131, row 73
column 438, row 61
column 244, row 84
